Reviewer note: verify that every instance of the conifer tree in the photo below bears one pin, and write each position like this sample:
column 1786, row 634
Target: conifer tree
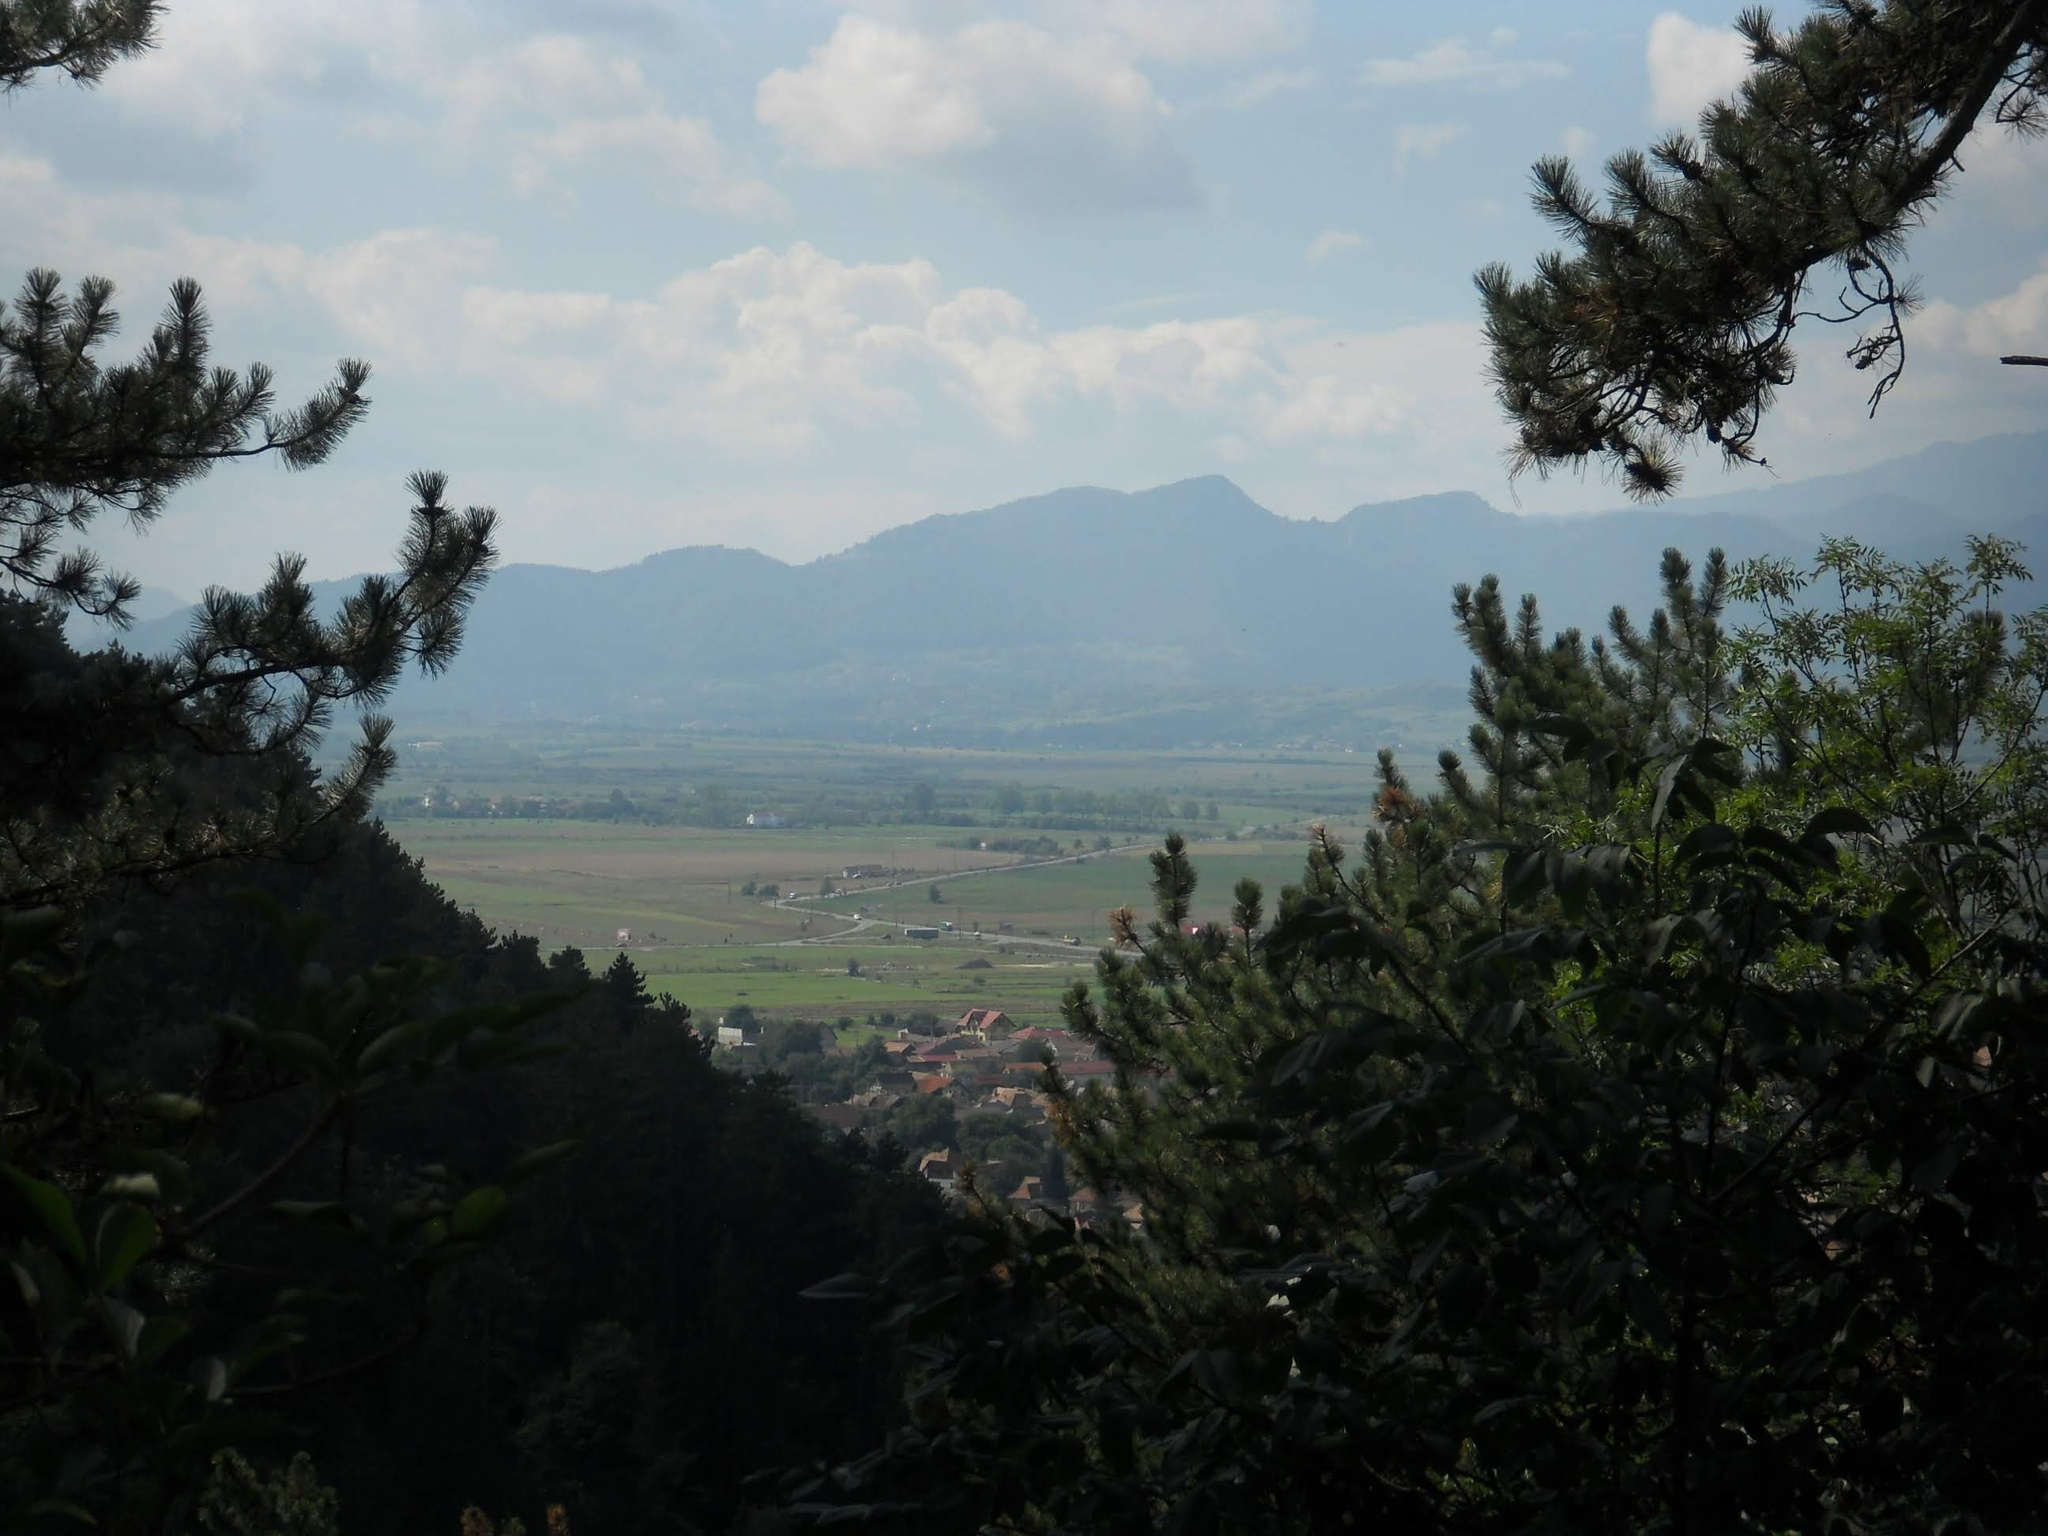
column 1644, row 1144
column 117, row 766
column 146, row 1163
column 1670, row 315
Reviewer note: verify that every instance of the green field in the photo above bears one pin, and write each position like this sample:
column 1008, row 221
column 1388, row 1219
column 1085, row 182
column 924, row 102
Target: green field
column 578, row 882
column 1051, row 900
column 680, row 889
column 698, row 939
column 901, row 978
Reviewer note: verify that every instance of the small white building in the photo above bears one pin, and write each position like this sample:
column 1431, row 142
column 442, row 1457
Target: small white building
column 766, row 819
column 737, row 1036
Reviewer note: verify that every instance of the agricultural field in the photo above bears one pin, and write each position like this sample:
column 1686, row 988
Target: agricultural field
column 1076, row 896
column 900, row 978
column 697, row 934
column 578, row 882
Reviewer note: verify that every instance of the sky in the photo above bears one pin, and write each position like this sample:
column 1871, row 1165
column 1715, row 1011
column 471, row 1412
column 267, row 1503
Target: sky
column 781, row 274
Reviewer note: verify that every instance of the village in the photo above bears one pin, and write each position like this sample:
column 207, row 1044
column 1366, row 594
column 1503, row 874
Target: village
column 984, row 1075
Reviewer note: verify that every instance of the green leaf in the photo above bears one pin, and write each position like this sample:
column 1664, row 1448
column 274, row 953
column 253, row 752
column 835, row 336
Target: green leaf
column 1667, row 781
column 475, row 1211
column 1837, row 821
column 1523, row 874
column 54, row 1207
column 125, row 1233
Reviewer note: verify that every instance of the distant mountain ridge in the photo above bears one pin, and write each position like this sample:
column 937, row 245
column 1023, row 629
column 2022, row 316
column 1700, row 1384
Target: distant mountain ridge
column 1183, row 613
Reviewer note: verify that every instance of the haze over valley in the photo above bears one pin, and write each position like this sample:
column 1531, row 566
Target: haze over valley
column 1178, row 616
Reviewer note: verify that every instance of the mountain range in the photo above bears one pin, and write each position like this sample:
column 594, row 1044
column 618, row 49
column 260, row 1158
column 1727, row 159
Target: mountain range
column 1183, row 614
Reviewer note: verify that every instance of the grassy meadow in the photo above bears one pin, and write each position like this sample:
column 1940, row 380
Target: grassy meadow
column 698, row 937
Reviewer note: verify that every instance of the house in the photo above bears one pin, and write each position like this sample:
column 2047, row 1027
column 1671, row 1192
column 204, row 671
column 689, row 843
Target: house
column 736, row 1036
column 940, row 1169
column 625, row 937
column 931, row 1082
column 985, row 1023
column 1085, row 1203
column 1087, row 1068
column 1030, row 1190
column 1023, row 1104
column 895, row 1082
column 864, row 872
column 766, row 819
column 920, row 931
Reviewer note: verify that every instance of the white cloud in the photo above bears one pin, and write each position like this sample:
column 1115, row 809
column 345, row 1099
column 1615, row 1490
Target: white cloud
column 1692, row 67
column 1424, row 141
column 1267, row 84
column 557, row 102
column 875, row 94
column 774, row 352
column 546, row 103
column 1052, row 120
column 1577, row 142
column 220, row 61
column 2011, row 322
column 381, row 290
column 1334, row 242
column 1455, row 62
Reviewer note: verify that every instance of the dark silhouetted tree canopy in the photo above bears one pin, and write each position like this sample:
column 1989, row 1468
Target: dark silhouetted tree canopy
column 1642, row 1132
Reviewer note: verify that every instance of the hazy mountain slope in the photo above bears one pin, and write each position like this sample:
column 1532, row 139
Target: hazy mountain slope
column 1187, row 612
column 1992, row 485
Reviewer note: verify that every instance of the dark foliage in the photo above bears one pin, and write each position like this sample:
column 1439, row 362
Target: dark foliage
column 1646, row 1134
column 1670, row 316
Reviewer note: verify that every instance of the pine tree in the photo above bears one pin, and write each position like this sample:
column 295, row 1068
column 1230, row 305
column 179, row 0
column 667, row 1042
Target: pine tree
column 117, row 766
column 148, row 1156
column 1641, row 1143
column 1670, row 316
column 625, row 991
column 80, row 38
